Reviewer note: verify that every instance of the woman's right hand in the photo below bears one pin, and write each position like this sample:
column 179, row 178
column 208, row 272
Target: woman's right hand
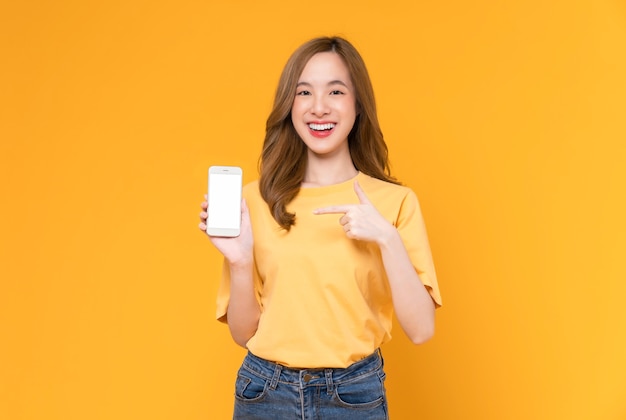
column 236, row 250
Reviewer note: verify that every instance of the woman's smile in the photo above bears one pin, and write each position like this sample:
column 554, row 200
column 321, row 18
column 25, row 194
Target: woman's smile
column 321, row 130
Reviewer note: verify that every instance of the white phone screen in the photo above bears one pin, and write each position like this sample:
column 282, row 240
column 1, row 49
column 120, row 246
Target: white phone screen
column 224, row 203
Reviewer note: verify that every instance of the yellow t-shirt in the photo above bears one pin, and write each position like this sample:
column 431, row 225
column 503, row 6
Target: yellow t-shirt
column 325, row 299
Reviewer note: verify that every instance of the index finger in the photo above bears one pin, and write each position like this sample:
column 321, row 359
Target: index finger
column 361, row 194
column 334, row 209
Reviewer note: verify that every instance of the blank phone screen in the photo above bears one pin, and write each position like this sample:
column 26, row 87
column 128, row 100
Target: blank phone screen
column 224, row 201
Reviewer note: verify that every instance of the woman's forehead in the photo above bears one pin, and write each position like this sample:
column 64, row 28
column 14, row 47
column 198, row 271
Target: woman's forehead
column 325, row 68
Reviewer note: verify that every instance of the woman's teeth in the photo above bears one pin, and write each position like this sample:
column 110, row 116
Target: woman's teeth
column 321, row 127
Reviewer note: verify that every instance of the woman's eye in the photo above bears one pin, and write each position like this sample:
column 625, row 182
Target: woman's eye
column 336, row 92
column 303, row 93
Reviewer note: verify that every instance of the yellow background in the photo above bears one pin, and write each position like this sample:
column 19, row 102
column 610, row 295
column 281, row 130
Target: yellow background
column 507, row 118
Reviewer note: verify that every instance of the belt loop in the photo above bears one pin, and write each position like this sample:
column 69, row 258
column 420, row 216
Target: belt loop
column 277, row 369
column 330, row 387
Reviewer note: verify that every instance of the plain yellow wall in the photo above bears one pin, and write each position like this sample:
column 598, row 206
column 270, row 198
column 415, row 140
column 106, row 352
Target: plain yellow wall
column 507, row 118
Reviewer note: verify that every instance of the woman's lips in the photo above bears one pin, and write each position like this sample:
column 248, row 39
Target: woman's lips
column 321, row 130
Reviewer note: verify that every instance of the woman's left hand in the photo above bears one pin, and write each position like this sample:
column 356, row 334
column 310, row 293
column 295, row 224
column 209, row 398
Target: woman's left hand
column 360, row 221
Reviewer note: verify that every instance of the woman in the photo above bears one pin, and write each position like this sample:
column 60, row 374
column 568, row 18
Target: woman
column 330, row 246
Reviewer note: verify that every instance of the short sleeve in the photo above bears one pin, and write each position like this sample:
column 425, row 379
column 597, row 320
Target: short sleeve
column 223, row 294
column 412, row 229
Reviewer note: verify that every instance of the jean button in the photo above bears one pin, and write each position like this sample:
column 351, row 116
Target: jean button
column 307, row 377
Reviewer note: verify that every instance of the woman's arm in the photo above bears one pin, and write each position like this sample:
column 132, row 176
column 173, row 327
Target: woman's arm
column 412, row 303
column 243, row 310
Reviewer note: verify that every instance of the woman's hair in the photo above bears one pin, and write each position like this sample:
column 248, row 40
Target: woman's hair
column 283, row 160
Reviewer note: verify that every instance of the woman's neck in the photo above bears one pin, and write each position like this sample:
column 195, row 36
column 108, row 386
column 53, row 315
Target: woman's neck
column 320, row 173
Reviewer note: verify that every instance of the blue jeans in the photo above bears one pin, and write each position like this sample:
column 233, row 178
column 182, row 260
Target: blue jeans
column 266, row 390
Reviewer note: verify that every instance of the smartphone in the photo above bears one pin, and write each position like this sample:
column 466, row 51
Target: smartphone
column 224, row 201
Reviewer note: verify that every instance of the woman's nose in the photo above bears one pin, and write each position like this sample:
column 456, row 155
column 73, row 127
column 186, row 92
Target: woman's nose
column 319, row 106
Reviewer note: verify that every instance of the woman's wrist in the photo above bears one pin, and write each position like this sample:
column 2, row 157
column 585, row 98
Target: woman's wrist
column 242, row 262
column 389, row 236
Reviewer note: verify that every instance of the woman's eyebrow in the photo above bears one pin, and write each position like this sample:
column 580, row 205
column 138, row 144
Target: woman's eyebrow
column 337, row 82
column 332, row 82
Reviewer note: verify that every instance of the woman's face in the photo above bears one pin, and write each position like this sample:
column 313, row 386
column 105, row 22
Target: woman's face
column 324, row 109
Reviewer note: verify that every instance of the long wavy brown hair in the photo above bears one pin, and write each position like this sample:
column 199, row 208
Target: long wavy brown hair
column 283, row 160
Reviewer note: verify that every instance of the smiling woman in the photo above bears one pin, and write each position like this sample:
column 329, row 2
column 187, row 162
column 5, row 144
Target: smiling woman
column 330, row 248
column 506, row 118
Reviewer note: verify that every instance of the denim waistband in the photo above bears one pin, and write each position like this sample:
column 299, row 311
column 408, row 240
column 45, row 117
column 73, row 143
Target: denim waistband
column 276, row 373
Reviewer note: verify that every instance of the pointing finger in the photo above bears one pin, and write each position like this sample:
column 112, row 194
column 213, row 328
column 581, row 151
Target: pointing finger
column 333, row 209
column 361, row 194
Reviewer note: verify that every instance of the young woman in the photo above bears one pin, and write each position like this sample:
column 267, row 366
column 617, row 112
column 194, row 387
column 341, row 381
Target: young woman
column 330, row 246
